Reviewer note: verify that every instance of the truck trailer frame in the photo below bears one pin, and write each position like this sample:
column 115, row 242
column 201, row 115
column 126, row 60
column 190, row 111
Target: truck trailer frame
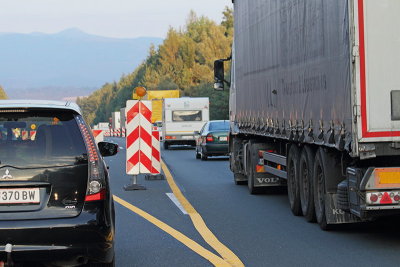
column 315, row 105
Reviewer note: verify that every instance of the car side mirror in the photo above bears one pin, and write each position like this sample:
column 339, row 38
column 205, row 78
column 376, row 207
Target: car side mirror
column 219, row 75
column 107, row 149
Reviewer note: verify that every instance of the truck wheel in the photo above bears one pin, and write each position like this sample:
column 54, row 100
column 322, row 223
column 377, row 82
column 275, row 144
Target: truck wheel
column 236, row 154
column 239, row 179
column 250, row 180
column 250, row 162
column 306, row 189
column 166, row 145
column 319, row 190
column 293, row 180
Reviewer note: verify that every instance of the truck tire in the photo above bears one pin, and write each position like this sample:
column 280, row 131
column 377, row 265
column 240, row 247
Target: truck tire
column 343, row 196
column 250, row 178
column 236, row 160
column 319, row 177
column 239, row 179
column 166, row 145
column 236, row 152
column 306, row 166
column 293, row 185
column 250, row 167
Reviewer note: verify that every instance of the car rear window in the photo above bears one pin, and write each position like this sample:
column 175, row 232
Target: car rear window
column 186, row 115
column 219, row 126
column 40, row 138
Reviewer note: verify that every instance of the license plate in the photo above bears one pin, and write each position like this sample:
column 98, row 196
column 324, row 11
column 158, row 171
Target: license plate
column 19, row 196
column 223, row 138
column 186, row 137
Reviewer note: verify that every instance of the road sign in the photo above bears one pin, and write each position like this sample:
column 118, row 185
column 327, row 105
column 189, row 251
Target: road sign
column 98, row 135
column 139, row 137
column 155, row 151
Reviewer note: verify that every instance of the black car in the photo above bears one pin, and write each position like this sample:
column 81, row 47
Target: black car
column 212, row 140
column 56, row 207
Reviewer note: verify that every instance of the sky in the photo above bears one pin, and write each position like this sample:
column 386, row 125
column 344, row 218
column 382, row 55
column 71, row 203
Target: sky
column 111, row 18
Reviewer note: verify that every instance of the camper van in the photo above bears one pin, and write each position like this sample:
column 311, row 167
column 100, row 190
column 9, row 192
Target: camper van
column 182, row 117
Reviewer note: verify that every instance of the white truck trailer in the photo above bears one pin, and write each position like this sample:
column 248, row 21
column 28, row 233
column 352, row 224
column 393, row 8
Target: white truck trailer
column 116, row 120
column 102, row 126
column 315, row 104
column 182, row 117
column 123, row 118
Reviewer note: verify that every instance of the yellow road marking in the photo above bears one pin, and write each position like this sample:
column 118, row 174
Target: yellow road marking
column 199, row 223
column 193, row 245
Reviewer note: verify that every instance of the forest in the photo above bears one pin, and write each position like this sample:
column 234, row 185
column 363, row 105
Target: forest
column 183, row 61
column 3, row 94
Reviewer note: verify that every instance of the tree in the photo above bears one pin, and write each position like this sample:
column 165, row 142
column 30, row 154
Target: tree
column 219, row 100
column 3, row 94
column 185, row 61
column 227, row 21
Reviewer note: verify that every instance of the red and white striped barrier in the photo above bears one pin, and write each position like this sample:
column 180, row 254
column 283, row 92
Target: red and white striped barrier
column 123, row 132
column 98, row 135
column 139, row 137
column 155, row 153
column 33, row 135
column 25, row 135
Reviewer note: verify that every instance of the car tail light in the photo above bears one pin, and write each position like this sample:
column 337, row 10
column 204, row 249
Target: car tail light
column 98, row 196
column 95, row 190
column 209, row 138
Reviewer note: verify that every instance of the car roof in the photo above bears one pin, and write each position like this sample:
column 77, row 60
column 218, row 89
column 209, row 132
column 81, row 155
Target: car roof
column 47, row 104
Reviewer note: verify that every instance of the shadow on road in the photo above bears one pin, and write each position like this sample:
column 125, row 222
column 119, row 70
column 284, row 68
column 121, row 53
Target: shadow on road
column 177, row 147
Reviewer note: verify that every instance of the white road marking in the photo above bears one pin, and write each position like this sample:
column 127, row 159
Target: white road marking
column 176, row 202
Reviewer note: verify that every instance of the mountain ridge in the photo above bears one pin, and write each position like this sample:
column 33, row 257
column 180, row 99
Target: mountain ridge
column 67, row 59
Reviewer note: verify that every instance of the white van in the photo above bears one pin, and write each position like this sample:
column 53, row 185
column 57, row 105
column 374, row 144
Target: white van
column 182, row 117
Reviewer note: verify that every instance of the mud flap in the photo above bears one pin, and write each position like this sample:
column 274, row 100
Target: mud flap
column 335, row 215
column 266, row 179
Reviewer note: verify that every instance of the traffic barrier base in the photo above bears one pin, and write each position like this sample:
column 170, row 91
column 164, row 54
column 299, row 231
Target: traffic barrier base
column 134, row 185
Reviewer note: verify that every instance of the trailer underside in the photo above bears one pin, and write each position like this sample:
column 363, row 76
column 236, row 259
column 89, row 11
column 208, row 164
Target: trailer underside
column 324, row 184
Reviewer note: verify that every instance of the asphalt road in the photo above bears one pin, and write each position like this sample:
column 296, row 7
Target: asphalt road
column 259, row 229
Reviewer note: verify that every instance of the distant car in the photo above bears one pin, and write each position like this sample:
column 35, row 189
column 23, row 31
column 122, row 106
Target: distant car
column 212, row 140
column 56, row 207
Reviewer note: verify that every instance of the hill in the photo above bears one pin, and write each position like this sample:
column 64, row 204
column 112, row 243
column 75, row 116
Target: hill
column 184, row 61
column 68, row 59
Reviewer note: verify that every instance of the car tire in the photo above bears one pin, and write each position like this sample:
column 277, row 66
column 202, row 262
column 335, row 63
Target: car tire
column 293, row 180
column 203, row 156
column 166, row 145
